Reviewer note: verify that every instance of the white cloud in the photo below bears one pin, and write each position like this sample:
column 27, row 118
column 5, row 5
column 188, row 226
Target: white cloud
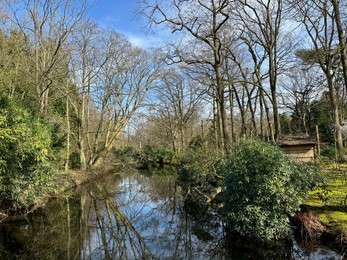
column 145, row 41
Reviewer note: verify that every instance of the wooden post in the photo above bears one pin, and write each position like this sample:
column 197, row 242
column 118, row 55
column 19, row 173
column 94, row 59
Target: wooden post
column 318, row 140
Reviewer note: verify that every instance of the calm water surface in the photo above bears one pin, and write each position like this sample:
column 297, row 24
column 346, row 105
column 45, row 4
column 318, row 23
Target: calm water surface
column 132, row 216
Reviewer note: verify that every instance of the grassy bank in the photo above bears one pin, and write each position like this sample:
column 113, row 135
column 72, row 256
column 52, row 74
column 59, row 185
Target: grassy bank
column 329, row 203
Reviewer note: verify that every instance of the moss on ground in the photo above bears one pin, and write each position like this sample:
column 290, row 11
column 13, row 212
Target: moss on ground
column 330, row 203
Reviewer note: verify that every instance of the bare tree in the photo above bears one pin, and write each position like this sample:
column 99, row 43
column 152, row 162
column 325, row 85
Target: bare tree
column 126, row 74
column 261, row 25
column 47, row 25
column 340, row 21
column 85, row 64
column 319, row 21
column 203, row 22
column 176, row 103
column 300, row 87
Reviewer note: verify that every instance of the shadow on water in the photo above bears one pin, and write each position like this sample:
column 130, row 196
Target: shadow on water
column 132, row 216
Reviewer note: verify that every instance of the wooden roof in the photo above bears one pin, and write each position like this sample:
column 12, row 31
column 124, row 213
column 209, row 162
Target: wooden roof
column 296, row 142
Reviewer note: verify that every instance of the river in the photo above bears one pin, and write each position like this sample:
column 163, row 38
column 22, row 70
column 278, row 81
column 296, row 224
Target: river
column 133, row 215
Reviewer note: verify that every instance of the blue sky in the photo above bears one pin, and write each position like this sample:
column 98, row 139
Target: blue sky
column 120, row 15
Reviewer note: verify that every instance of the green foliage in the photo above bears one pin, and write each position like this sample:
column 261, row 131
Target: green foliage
column 163, row 156
column 149, row 155
column 16, row 67
column 196, row 142
column 286, row 124
column 321, row 115
column 263, row 187
column 329, row 152
column 25, row 154
column 200, row 167
column 128, row 151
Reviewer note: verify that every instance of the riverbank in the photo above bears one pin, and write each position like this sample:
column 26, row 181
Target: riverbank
column 62, row 183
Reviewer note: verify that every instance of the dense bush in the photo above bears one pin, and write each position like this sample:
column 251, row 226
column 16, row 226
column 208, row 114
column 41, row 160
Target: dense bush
column 163, row 156
column 127, row 152
column 200, row 168
column 329, row 152
column 149, row 155
column 263, row 188
column 25, row 154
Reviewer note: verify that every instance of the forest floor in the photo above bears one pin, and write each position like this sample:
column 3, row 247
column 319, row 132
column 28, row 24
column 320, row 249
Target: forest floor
column 330, row 203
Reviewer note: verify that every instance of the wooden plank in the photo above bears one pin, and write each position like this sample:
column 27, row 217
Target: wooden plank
column 301, row 154
column 310, row 153
column 302, row 158
column 298, row 148
column 305, row 159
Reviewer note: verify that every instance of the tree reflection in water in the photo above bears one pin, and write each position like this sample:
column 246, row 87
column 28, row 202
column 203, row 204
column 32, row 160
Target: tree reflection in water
column 128, row 216
column 139, row 218
column 107, row 232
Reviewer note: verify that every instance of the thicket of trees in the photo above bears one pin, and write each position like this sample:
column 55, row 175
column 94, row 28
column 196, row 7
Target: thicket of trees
column 68, row 88
column 64, row 68
column 266, row 68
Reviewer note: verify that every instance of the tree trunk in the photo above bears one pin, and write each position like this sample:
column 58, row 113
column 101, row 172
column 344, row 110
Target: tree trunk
column 273, row 82
column 252, row 110
column 271, row 136
column 335, row 108
column 67, row 133
column 342, row 40
column 81, row 135
column 231, row 109
column 262, row 133
column 216, row 124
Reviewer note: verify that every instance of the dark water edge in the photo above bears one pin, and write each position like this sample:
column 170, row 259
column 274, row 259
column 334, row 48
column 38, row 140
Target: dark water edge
column 137, row 215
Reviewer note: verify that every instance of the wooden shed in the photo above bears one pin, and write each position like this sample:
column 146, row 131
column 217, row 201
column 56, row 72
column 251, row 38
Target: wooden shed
column 301, row 150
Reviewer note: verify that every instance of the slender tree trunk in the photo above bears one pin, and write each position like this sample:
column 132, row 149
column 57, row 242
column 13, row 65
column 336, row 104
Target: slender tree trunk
column 335, row 107
column 173, row 140
column 240, row 102
column 342, row 40
column 231, row 109
column 252, row 110
column 216, row 124
column 222, row 112
column 270, row 131
column 37, row 66
column 68, row 130
column 262, row 132
column 182, row 138
column 87, row 124
column 81, row 134
column 273, row 82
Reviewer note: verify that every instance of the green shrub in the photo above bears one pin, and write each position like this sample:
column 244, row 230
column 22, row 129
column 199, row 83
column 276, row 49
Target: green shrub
column 163, row 156
column 263, row 188
column 25, row 154
column 128, row 152
column 149, row 155
column 329, row 152
column 200, row 168
column 196, row 142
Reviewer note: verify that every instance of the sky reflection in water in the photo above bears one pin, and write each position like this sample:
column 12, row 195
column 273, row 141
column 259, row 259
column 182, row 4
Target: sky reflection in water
column 131, row 216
